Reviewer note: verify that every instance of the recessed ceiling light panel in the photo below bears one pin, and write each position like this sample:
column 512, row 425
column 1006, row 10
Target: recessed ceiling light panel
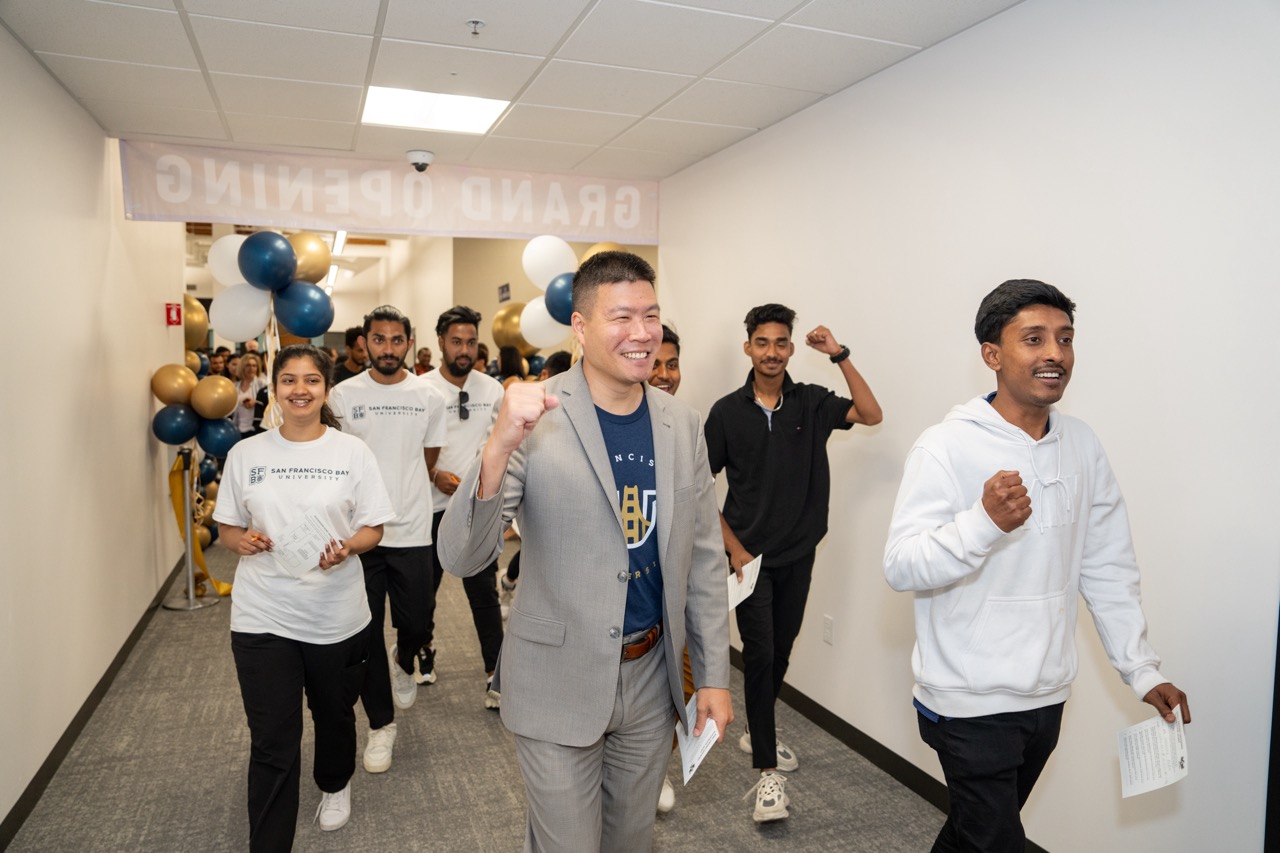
column 430, row 111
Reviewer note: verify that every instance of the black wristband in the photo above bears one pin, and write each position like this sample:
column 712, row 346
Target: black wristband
column 840, row 356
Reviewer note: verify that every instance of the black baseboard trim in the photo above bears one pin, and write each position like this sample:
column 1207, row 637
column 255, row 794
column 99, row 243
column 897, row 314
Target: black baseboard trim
column 900, row 769
column 27, row 801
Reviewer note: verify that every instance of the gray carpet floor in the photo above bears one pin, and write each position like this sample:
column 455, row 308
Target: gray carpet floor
column 161, row 766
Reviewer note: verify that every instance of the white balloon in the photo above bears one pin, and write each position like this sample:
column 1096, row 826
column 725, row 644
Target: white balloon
column 224, row 259
column 538, row 327
column 240, row 312
column 545, row 258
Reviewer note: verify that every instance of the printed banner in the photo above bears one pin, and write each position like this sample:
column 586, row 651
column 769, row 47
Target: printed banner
column 279, row 190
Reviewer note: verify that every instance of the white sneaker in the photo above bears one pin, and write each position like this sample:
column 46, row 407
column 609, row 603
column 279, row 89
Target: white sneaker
column 335, row 809
column 492, row 698
column 786, row 759
column 771, row 798
column 667, row 799
column 506, row 593
column 426, row 665
column 404, row 689
column 377, row 750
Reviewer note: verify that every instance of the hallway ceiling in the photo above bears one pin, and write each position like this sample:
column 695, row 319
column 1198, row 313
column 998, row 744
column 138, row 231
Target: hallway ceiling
column 609, row 88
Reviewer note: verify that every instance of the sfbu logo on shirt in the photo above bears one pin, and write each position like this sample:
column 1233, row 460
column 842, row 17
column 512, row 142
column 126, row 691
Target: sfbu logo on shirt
column 257, row 475
column 357, row 413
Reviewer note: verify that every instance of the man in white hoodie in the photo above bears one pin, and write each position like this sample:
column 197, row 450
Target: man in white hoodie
column 1006, row 511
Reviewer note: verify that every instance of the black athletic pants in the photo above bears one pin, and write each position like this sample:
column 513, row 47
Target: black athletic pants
column 482, row 594
column 403, row 575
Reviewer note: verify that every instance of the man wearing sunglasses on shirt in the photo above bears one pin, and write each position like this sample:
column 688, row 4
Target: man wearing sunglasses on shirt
column 473, row 399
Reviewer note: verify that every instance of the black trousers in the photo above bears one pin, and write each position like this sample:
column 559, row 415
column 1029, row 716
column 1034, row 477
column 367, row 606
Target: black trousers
column 403, row 575
column 482, row 594
column 768, row 622
column 274, row 674
column 991, row 764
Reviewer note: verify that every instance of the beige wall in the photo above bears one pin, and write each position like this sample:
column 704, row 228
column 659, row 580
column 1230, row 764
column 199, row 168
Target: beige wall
column 1126, row 152
column 480, row 265
column 86, row 535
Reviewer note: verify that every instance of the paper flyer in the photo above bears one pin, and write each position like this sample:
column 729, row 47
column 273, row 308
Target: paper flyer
column 739, row 592
column 298, row 547
column 1153, row 754
column 694, row 749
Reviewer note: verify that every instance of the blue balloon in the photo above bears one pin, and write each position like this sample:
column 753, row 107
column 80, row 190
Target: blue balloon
column 208, row 469
column 175, row 424
column 204, row 366
column 215, row 437
column 304, row 309
column 559, row 298
column 536, row 363
column 267, row 260
column 213, row 533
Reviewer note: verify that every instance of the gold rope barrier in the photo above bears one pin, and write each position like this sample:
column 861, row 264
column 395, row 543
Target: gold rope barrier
column 197, row 553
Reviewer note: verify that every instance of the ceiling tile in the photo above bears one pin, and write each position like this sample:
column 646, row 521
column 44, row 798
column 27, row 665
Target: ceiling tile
column 583, row 86
column 100, row 31
column 125, row 81
column 291, row 98
column 528, row 155
column 392, row 142
column 452, row 70
column 518, row 26
column 681, row 137
column 741, row 104
column 658, row 37
column 772, row 9
column 285, row 52
column 831, row 61
column 123, row 119
column 627, row 163
column 916, row 22
column 553, row 124
column 150, row 4
column 274, row 130
column 343, row 16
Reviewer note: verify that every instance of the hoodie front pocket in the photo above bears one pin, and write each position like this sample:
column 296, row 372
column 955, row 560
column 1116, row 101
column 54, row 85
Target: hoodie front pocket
column 1021, row 645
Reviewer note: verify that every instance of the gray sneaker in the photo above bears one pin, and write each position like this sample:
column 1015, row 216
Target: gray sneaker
column 404, row 689
column 771, row 798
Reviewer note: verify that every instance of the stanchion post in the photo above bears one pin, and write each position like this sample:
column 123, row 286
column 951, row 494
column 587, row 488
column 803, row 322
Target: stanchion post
column 191, row 602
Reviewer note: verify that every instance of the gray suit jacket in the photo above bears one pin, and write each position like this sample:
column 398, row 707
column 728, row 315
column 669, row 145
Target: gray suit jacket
column 559, row 666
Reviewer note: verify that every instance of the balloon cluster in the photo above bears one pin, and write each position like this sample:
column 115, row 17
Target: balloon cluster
column 543, row 321
column 266, row 270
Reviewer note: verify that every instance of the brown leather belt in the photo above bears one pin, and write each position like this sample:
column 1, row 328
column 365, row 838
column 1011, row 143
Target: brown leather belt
column 642, row 646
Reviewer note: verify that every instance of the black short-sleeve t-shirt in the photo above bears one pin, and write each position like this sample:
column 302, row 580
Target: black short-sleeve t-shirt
column 776, row 464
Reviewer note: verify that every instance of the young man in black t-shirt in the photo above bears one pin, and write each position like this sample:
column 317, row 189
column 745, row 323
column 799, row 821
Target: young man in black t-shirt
column 771, row 438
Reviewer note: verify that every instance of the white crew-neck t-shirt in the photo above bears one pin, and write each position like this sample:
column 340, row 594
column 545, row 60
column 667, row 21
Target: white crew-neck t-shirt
column 466, row 438
column 267, row 483
column 397, row 422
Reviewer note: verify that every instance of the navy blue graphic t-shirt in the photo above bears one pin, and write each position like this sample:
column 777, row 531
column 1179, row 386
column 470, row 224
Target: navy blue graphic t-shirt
column 629, row 440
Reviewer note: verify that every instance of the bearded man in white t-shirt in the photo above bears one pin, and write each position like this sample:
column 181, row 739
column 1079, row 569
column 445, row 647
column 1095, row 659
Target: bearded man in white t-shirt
column 403, row 422
column 472, row 399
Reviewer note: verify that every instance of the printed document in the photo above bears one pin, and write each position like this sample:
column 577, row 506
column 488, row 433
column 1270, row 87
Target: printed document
column 739, row 592
column 298, row 547
column 694, row 749
column 1153, row 754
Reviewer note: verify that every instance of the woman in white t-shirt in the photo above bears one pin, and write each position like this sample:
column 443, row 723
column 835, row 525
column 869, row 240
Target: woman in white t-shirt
column 248, row 384
column 298, row 504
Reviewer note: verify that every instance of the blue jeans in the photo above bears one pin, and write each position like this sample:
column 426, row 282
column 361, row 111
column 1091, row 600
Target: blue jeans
column 991, row 764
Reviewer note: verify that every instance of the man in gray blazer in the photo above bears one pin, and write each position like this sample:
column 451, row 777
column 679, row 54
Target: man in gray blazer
column 622, row 567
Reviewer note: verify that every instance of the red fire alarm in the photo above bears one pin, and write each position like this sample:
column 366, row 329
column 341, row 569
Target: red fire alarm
column 173, row 313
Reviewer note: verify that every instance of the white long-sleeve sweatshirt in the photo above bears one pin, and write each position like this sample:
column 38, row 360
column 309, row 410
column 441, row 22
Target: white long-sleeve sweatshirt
column 996, row 612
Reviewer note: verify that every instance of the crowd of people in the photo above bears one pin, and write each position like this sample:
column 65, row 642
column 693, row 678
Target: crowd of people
column 615, row 606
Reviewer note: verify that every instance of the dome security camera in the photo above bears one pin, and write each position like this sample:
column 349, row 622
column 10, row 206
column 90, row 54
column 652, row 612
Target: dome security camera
column 419, row 159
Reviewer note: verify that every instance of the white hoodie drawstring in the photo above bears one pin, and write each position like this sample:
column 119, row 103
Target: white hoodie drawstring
column 1042, row 518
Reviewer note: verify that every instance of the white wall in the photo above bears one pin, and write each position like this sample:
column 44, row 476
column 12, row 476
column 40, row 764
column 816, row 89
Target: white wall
column 421, row 285
column 1126, row 152
column 86, row 534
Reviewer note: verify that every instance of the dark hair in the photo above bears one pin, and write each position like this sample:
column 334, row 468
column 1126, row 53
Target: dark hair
column 387, row 314
column 558, row 362
column 323, row 363
column 457, row 314
column 482, row 347
column 607, row 268
column 510, row 363
column 770, row 313
column 669, row 336
column 1003, row 304
column 223, row 350
column 352, row 335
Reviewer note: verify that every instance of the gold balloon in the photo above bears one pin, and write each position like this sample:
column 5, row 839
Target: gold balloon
column 211, row 491
column 206, row 514
column 204, row 536
column 173, row 383
column 193, row 362
column 506, row 329
column 313, row 256
column 601, row 247
column 214, row 397
column 195, row 322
